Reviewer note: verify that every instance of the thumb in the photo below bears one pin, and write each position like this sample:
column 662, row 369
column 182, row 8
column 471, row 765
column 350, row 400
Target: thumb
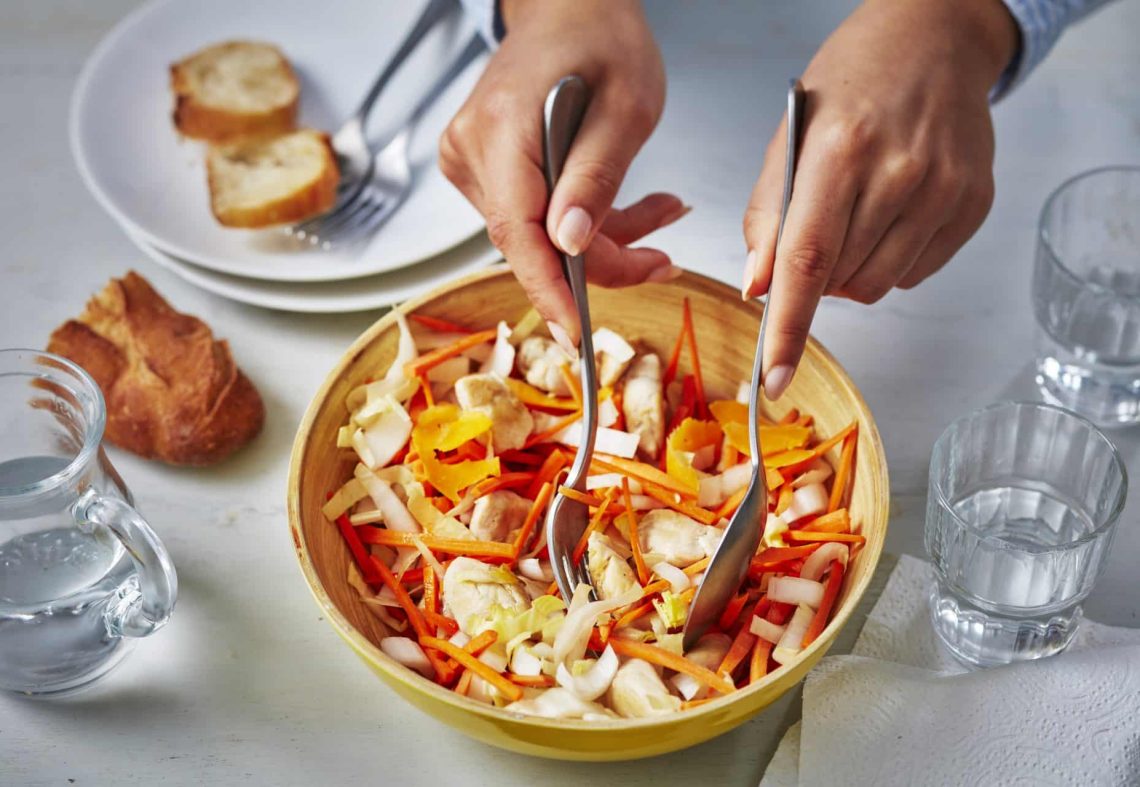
column 594, row 170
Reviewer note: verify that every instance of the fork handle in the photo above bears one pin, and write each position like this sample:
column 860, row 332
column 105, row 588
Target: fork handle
column 435, row 11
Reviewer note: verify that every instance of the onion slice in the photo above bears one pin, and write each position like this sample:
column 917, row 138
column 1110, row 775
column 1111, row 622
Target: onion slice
column 795, row 590
column 767, row 630
column 594, row 682
column 714, row 490
column 533, row 568
column 792, row 641
column 817, row 562
column 409, row 653
column 806, row 501
column 502, row 359
column 678, row 580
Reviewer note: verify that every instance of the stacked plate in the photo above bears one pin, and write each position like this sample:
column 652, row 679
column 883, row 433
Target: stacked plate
column 153, row 182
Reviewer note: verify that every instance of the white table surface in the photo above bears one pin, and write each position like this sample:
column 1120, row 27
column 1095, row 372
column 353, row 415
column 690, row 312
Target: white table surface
column 247, row 683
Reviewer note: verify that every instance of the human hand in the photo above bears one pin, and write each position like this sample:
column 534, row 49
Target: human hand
column 492, row 150
column 894, row 171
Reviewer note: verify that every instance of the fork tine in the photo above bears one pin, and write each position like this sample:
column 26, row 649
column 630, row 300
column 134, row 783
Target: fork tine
column 315, row 227
column 328, row 230
column 361, row 226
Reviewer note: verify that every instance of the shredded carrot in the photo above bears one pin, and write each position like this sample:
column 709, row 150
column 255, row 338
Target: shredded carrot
column 670, row 660
column 616, row 398
column 532, row 681
column 674, row 358
column 531, row 396
column 838, row 521
column 839, row 488
column 830, row 593
column 697, row 567
column 440, row 621
column 443, row 672
column 659, row 586
column 638, row 611
column 807, row 535
column 595, row 524
column 642, row 472
column 431, row 594
column 511, row 691
column 464, row 683
column 732, row 610
column 774, row 478
column 585, row 498
column 784, row 501
column 741, row 647
column 480, row 642
column 452, row 546
column 504, row 481
column 559, row 425
column 702, row 515
column 425, row 388
column 436, row 324
column 550, row 469
column 536, row 509
column 434, row 358
column 774, row 556
column 572, row 383
column 815, row 453
column 695, row 360
column 728, row 507
column 634, row 540
column 758, row 664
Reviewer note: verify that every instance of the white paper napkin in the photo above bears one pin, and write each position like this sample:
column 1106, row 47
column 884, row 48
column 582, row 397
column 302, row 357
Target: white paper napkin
column 899, row 710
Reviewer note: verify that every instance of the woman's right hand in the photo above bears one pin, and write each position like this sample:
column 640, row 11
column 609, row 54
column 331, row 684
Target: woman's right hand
column 492, row 150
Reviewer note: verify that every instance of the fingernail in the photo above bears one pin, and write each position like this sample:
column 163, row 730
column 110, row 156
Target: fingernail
column 573, row 231
column 668, row 273
column 749, row 274
column 558, row 333
column 679, row 214
column 776, row 381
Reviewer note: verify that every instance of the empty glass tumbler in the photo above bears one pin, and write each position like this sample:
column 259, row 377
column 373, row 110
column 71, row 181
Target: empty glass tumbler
column 1022, row 506
column 1086, row 296
column 80, row 570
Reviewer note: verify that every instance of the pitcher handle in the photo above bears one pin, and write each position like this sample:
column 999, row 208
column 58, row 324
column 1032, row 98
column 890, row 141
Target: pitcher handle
column 144, row 602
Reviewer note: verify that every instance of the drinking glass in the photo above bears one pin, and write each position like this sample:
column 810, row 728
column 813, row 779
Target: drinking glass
column 81, row 572
column 1086, row 296
column 1022, row 506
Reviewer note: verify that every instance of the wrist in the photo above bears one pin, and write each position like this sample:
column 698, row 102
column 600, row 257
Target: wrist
column 992, row 31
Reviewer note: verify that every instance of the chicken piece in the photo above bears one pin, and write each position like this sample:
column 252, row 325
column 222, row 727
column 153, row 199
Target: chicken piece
column 473, row 590
column 679, row 540
column 643, row 404
column 611, row 575
column 558, row 703
column 497, row 515
column 612, row 356
column 540, row 360
column 485, row 393
column 637, row 691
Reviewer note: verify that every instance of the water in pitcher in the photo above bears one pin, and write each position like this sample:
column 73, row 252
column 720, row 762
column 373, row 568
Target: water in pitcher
column 53, row 581
column 1008, row 597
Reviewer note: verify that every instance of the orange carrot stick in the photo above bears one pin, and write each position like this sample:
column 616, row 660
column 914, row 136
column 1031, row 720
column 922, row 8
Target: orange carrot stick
column 593, row 501
column 437, row 356
column 452, row 546
column 784, row 501
column 741, row 647
column 504, row 481
column 808, row 536
column 674, row 358
column 443, row 672
column 571, row 383
column 670, row 660
column 838, row 521
column 480, row 642
column 440, row 621
column 775, row 555
column 697, row 567
column 643, row 472
column 634, row 541
column 812, row 454
column 687, row 508
column 464, row 683
column 695, row 360
column 830, row 593
column 839, row 488
column 511, row 691
column 532, row 681
column 431, row 594
column 536, row 509
column 436, row 324
column 758, row 664
column 595, row 524
column 559, row 425
column 550, row 469
column 728, row 507
column 425, row 387
column 638, row 611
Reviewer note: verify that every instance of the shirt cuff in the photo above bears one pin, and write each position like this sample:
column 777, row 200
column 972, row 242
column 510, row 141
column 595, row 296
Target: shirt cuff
column 1041, row 23
column 487, row 19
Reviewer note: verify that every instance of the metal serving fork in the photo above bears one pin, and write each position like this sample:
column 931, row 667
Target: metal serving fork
column 567, row 519
column 742, row 535
column 353, row 156
column 390, row 179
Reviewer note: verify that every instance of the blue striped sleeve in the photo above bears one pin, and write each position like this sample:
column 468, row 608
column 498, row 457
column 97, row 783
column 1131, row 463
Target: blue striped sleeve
column 1041, row 23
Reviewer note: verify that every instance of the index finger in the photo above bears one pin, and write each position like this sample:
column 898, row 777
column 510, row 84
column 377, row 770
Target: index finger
column 823, row 197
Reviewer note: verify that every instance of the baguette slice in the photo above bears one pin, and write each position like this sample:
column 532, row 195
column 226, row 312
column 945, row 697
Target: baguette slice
column 275, row 180
column 233, row 89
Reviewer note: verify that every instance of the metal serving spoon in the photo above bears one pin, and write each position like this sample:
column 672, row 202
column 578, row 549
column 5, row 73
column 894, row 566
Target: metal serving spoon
column 742, row 535
column 567, row 519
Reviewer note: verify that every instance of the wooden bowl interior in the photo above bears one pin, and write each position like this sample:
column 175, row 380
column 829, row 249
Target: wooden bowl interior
column 726, row 331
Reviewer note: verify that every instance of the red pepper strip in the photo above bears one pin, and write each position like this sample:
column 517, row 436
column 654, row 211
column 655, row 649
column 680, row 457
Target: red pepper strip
column 779, row 612
column 413, row 576
column 741, row 647
column 830, row 593
column 524, row 458
column 359, row 553
column 436, row 324
column 732, row 610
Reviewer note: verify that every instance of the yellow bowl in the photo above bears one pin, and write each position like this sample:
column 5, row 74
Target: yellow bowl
column 726, row 334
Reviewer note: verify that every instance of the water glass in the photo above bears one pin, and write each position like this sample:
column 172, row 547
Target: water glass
column 81, row 572
column 1022, row 506
column 1086, row 296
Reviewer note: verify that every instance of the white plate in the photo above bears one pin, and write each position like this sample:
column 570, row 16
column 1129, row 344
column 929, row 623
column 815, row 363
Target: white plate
column 153, row 182
column 349, row 295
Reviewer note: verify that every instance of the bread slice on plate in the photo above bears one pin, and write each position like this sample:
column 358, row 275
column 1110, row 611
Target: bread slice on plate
column 234, row 89
column 272, row 180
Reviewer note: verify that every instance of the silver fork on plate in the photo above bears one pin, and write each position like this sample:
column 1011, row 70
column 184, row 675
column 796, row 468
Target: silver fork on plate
column 390, row 179
column 567, row 519
column 353, row 156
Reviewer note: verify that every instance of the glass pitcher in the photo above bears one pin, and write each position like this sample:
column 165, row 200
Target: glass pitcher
column 81, row 572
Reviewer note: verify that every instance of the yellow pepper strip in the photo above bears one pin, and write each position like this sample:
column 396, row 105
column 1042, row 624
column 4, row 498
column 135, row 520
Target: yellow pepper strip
column 443, row 428
column 529, row 395
column 690, row 435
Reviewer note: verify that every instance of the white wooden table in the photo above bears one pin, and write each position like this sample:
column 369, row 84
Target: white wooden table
column 247, row 683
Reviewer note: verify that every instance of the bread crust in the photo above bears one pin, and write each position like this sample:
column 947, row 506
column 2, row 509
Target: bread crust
column 173, row 392
column 195, row 118
column 312, row 199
